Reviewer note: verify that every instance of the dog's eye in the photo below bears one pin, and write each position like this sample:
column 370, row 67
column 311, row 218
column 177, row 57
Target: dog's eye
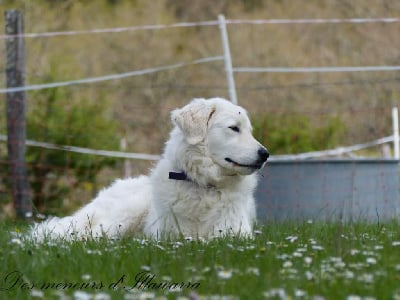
column 234, row 128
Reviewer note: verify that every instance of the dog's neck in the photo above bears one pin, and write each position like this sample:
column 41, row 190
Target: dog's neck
column 193, row 164
column 182, row 176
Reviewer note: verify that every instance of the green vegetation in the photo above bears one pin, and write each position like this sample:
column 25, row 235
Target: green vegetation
column 54, row 174
column 285, row 261
column 296, row 134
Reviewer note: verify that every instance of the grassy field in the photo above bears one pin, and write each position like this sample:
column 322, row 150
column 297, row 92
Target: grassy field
column 285, row 261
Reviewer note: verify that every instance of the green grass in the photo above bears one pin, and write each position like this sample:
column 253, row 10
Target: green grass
column 284, row 261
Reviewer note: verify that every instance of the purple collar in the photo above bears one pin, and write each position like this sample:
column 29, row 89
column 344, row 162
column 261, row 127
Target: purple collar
column 178, row 176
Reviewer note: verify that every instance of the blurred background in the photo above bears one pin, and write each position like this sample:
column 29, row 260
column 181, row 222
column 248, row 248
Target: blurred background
column 291, row 112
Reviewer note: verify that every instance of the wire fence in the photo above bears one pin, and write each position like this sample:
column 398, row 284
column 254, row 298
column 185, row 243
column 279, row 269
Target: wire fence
column 109, row 77
column 85, row 164
column 204, row 23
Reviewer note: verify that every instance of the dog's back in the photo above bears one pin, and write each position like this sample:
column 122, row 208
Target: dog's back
column 118, row 209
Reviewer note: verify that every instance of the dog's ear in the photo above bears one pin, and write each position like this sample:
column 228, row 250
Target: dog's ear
column 193, row 119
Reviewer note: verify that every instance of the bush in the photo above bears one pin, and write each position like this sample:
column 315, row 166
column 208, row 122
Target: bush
column 295, row 133
column 55, row 119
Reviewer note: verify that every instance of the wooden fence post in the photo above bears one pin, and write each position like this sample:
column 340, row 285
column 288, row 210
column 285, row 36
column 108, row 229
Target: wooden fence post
column 15, row 70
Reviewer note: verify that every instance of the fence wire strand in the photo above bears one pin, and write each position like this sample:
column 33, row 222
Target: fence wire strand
column 202, row 24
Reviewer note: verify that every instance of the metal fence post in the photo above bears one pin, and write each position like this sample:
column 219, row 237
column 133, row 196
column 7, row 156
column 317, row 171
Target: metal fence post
column 227, row 59
column 395, row 119
column 15, row 70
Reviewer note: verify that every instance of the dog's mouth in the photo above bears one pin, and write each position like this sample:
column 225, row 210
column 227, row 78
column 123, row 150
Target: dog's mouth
column 252, row 166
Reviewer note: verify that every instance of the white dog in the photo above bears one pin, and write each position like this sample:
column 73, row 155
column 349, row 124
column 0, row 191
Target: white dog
column 202, row 186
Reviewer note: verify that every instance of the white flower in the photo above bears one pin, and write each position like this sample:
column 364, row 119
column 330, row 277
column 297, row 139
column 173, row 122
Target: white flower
column 299, row 293
column 371, row 260
column 339, row 264
column 367, row 278
column 86, row 276
column 309, row 275
column 287, row 264
column 354, row 252
column 353, row 297
column 79, row 295
column 348, row 274
column 275, row 293
column 292, row 238
column 317, row 247
column 297, row 254
column 225, row 274
column 160, row 247
column 37, row 293
column 301, row 249
column 145, row 268
column 253, row 271
column 102, row 296
column 16, row 241
column 396, row 243
column 283, row 256
column 146, row 295
column 308, row 260
column 41, row 216
column 176, row 289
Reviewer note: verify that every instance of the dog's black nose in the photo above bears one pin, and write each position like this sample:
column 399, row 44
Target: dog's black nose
column 263, row 154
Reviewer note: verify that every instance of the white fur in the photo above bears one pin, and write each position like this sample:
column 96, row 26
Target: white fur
column 212, row 143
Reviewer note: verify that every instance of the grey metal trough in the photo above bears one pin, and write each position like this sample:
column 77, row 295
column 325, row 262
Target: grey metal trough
column 333, row 189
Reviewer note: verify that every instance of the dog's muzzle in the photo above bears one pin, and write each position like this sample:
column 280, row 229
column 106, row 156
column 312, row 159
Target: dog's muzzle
column 263, row 155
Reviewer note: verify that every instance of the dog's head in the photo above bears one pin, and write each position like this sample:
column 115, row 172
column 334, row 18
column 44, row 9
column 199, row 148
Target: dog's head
column 225, row 131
